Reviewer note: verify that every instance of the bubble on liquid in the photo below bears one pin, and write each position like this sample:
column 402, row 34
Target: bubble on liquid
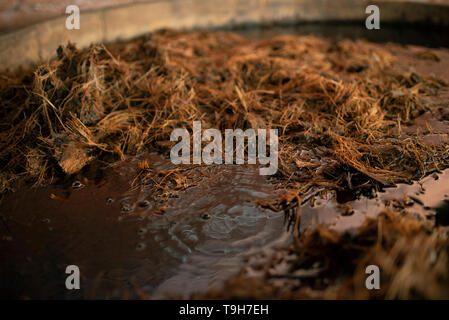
column 144, row 204
column 77, row 185
column 109, row 201
column 142, row 231
column 206, row 216
column 127, row 207
column 140, row 246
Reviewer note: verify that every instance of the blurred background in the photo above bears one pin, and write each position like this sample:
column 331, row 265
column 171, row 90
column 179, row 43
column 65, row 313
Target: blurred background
column 18, row 13
column 31, row 30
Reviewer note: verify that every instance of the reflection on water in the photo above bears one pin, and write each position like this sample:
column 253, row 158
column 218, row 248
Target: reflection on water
column 123, row 249
column 425, row 199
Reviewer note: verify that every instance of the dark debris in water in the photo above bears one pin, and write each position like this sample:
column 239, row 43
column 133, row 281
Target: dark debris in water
column 405, row 235
column 442, row 214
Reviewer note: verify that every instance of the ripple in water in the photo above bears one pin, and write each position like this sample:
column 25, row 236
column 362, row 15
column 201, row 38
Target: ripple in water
column 122, row 247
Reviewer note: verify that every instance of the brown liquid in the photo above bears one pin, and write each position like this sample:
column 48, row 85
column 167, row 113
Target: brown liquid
column 195, row 245
column 201, row 240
